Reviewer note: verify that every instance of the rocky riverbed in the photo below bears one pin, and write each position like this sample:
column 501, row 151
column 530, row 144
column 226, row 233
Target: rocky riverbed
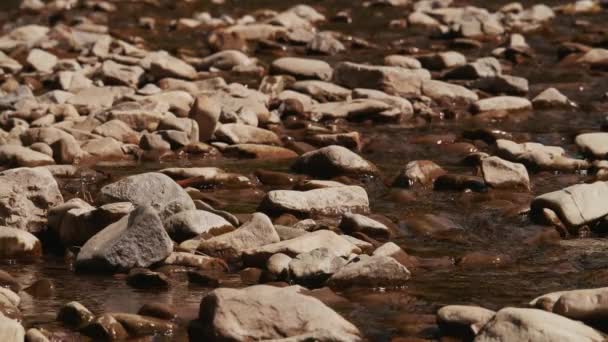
column 382, row 170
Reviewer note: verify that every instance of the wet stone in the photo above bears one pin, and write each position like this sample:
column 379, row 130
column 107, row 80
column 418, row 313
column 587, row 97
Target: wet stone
column 158, row 310
column 314, row 267
column 302, row 68
column 222, row 314
column 374, row 271
column 333, row 161
column 75, row 315
column 142, row 278
column 137, row 240
column 328, row 201
column 42, row 288
column 203, row 278
column 352, row 223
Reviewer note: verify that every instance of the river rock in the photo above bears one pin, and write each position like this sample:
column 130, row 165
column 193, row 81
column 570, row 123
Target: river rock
column 406, row 62
column 25, row 196
column 104, row 148
column 161, row 64
column 245, row 134
column 539, row 156
column 502, row 104
column 264, row 312
column 321, row 91
column 326, row 43
column 302, row 68
column 17, row 243
column 398, row 103
column 593, row 144
column 442, row 60
column 7, row 296
column 438, row 90
column 349, row 109
column 154, row 189
column 374, row 271
column 201, row 262
column 143, row 278
column 138, row 325
column 482, row 68
column 575, row 205
column 190, row 223
column 118, row 130
column 500, row 173
column 257, row 232
column 551, row 98
column 136, row 240
column 513, row 324
column 225, row 60
column 12, row 331
column 115, row 73
column 583, row 305
column 326, row 201
column 305, row 243
column 278, row 265
column 463, row 318
column 75, row 315
column 332, row 161
column 41, row 61
column 35, row 335
column 418, row 172
column 314, row 267
column 9, row 64
column 206, row 177
column 17, row 156
column 503, row 84
column 356, row 223
column 595, row 58
column 105, row 327
column 258, row 151
column 6, row 280
column 392, row 80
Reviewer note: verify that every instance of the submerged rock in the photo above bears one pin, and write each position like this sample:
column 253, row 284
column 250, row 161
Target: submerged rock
column 266, row 313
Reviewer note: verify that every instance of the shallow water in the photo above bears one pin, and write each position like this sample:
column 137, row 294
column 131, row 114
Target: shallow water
column 529, row 269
